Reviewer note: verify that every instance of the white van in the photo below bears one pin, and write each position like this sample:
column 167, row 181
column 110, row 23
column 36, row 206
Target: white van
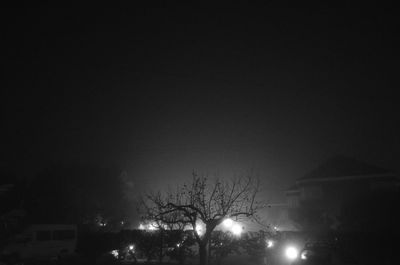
column 44, row 241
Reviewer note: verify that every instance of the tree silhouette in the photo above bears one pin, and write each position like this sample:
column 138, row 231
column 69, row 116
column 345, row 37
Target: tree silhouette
column 202, row 205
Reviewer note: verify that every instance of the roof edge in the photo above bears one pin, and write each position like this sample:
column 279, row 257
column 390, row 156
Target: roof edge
column 348, row 177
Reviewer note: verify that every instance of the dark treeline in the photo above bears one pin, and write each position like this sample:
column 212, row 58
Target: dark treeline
column 77, row 194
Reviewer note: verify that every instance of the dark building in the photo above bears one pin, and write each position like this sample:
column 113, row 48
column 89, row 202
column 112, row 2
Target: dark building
column 343, row 192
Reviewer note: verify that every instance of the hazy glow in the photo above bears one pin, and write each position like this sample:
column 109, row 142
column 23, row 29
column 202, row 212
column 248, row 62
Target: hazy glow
column 236, row 229
column 187, row 227
column 114, row 253
column 227, row 223
column 270, row 243
column 200, row 229
column 150, row 226
column 291, row 253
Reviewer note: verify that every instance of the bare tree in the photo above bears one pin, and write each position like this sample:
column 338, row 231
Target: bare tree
column 203, row 202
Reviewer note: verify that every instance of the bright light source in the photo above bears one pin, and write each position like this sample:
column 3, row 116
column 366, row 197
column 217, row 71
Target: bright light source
column 131, row 247
column 291, row 253
column 199, row 229
column 149, row 227
column 236, row 229
column 114, row 253
column 153, row 226
column 303, row 255
column 228, row 223
column 270, row 243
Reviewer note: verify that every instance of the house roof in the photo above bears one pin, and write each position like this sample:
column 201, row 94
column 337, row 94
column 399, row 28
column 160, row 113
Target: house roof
column 341, row 166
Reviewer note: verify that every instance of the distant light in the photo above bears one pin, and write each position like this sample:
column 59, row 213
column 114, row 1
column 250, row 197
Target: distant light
column 149, row 227
column 199, row 229
column 275, row 227
column 228, row 223
column 114, row 253
column 153, row 226
column 178, row 245
column 270, row 243
column 291, row 253
column 131, row 247
column 236, row 229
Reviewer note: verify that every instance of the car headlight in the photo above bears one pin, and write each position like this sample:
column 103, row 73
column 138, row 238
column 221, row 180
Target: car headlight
column 291, row 252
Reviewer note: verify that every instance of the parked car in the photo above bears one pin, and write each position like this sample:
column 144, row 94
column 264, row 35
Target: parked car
column 320, row 253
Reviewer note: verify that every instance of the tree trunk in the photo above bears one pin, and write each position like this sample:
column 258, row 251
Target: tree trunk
column 203, row 252
column 160, row 257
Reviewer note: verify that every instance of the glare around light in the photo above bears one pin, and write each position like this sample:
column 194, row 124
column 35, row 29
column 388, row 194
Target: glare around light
column 199, row 229
column 153, row 226
column 131, row 247
column 236, row 229
column 149, row 226
column 291, row 253
column 114, row 253
column 270, row 243
column 227, row 223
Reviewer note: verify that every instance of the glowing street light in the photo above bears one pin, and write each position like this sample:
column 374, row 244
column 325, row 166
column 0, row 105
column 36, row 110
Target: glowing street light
column 227, row 223
column 291, row 253
column 236, row 229
column 270, row 243
column 153, row 226
column 149, row 226
column 199, row 229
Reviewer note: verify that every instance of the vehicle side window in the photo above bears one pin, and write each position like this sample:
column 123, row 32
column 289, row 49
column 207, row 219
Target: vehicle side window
column 63, row 234
column 43, row 235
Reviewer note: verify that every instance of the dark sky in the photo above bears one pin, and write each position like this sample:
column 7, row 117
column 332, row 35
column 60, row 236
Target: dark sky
column 160, row 91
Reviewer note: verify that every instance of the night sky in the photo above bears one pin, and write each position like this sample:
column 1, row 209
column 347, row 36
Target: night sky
column 161, row 91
